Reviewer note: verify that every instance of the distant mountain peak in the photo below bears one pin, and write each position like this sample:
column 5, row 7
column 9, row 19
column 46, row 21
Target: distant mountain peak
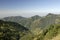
column 36, row 16
column 50, row 15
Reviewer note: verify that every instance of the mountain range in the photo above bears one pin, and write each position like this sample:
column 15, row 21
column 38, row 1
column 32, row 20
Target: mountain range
column 37, row 27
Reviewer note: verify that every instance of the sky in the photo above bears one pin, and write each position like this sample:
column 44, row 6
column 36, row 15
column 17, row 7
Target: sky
column 28, row 8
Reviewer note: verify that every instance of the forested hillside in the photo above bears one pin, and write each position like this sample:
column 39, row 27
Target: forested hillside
column 12, row 30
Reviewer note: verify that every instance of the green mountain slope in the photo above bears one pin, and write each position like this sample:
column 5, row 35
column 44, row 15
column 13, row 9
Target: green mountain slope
column 14, row 18
column 11, row 30
column 49, row 33
column 49, row 19
column 26, row 22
